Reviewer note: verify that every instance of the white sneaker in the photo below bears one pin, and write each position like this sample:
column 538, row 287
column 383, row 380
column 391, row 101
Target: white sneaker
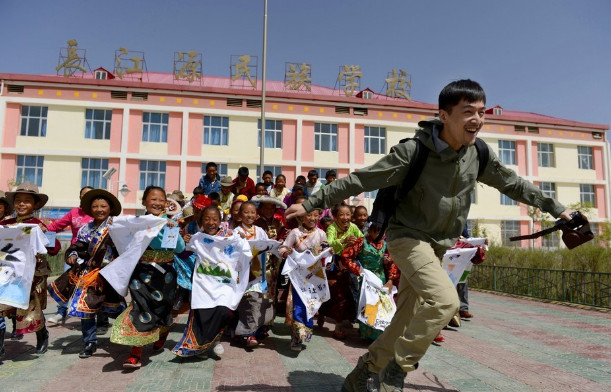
column 57, row 319
column 218, row 349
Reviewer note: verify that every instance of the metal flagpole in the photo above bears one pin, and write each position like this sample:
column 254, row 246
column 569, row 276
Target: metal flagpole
column 262, row 150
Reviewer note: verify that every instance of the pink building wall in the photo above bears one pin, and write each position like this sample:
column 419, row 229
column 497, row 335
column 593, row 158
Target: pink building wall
column 307, row 141
column 7, row 172
column 196, row 135
column 132, row 175
column 524, row 229
column 601, row 201
column 172, row 175
column 597, row 153
column 534, row 156
column 194, row 173
column 343, row 145
column 174, row 133
column 289, row 140
column 521, row 156
column 116, row 128
column 359, row 144
column 135, row 131
column 11, row 124
column 290, row 172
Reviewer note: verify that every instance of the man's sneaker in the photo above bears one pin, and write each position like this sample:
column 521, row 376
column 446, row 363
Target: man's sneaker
column 392, row 378
column 360, row 379
column 218, row 349
column 57, row 319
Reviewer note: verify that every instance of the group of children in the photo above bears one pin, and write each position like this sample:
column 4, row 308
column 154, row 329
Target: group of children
column 160, row 285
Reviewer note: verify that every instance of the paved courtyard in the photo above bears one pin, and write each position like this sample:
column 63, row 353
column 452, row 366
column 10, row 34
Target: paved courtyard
column 510, row 345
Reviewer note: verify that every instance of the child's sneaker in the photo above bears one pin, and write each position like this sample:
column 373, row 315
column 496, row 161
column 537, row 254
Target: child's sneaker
column 296, row 346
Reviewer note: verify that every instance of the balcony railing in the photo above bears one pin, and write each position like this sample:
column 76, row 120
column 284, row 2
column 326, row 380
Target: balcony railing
column 578, row 287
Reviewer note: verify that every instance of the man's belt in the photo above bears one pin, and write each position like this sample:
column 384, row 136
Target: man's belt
column 574, row 232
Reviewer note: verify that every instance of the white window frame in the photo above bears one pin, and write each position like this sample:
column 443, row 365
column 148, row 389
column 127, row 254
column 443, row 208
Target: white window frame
column 92, row 176
column 548, row 189
column 585, row 157
column 38, row 122
column 273, row 133
column 587, row 194
column 29, row 168
column 509, row 229
column 210, row 129
column 162, row 124
column 507, row 152
column 92, row 124
column 328, row 132
column 221, row 169
column 274, row 169
column 545, row 155
column 375, row 140
column 153, row 173
column 507, row 201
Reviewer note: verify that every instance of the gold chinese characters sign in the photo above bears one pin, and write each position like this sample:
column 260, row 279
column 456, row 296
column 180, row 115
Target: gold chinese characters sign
column 349, row 79
column 398, row 84
column 188, row 66
column 71, row 59
column 298, row 76
column 129, row 62
column 242, row 69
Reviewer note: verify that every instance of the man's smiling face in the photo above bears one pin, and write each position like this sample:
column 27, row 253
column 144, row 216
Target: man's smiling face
column 462, row 123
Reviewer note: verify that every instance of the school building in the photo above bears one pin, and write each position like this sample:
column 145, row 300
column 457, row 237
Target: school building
column 65, row 132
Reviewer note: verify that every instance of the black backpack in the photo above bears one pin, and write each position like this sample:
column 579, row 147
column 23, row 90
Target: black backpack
column 388, row 198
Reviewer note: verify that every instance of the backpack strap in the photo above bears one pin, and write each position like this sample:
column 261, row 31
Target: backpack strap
column 421, row 153
column 483, row 155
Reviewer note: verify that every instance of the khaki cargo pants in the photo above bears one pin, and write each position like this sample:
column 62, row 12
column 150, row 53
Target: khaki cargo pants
column 426, row 302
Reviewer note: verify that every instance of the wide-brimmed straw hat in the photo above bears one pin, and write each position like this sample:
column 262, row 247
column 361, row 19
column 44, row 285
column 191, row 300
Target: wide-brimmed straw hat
column 268, row 199
column 87, row 200
column 30, row 189
column 8, row 208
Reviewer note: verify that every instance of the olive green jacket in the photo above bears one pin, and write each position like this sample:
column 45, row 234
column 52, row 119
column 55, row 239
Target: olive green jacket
column 436, row 208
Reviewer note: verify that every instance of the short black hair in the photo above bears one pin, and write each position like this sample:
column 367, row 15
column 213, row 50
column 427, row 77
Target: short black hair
column 335, row 208
column 243, row 172
column 151, row 188
column 198, row 190
column 214, row 196
column 280, row 175
column 466, row 89
column 302, row 178
column 361, row 208
column 258, row 184
column 313, row 172
column 331, row 173
column 211, row 164
column 268, row 172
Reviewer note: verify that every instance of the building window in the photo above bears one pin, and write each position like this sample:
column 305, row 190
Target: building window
column 101, row 75
column 274, row 169
column 152, row 173
column 97, row 123
column 54, row 213
column 273, row 133
column 325, row 137
column 507, row 201
column 375, row 140
column 92, row 170
column 510, row 229
column 221, row 169
column 584, row 155
column 216, row 130
column 371, row 195
column 507, row 152
column 29, row 168
column 548, row 188
column 545, row 152
column 551, row 240
column 155, row 127
column 471, row 227
column 587, row 197
column 322, row 173
column 34, row 121
column 473, row 196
